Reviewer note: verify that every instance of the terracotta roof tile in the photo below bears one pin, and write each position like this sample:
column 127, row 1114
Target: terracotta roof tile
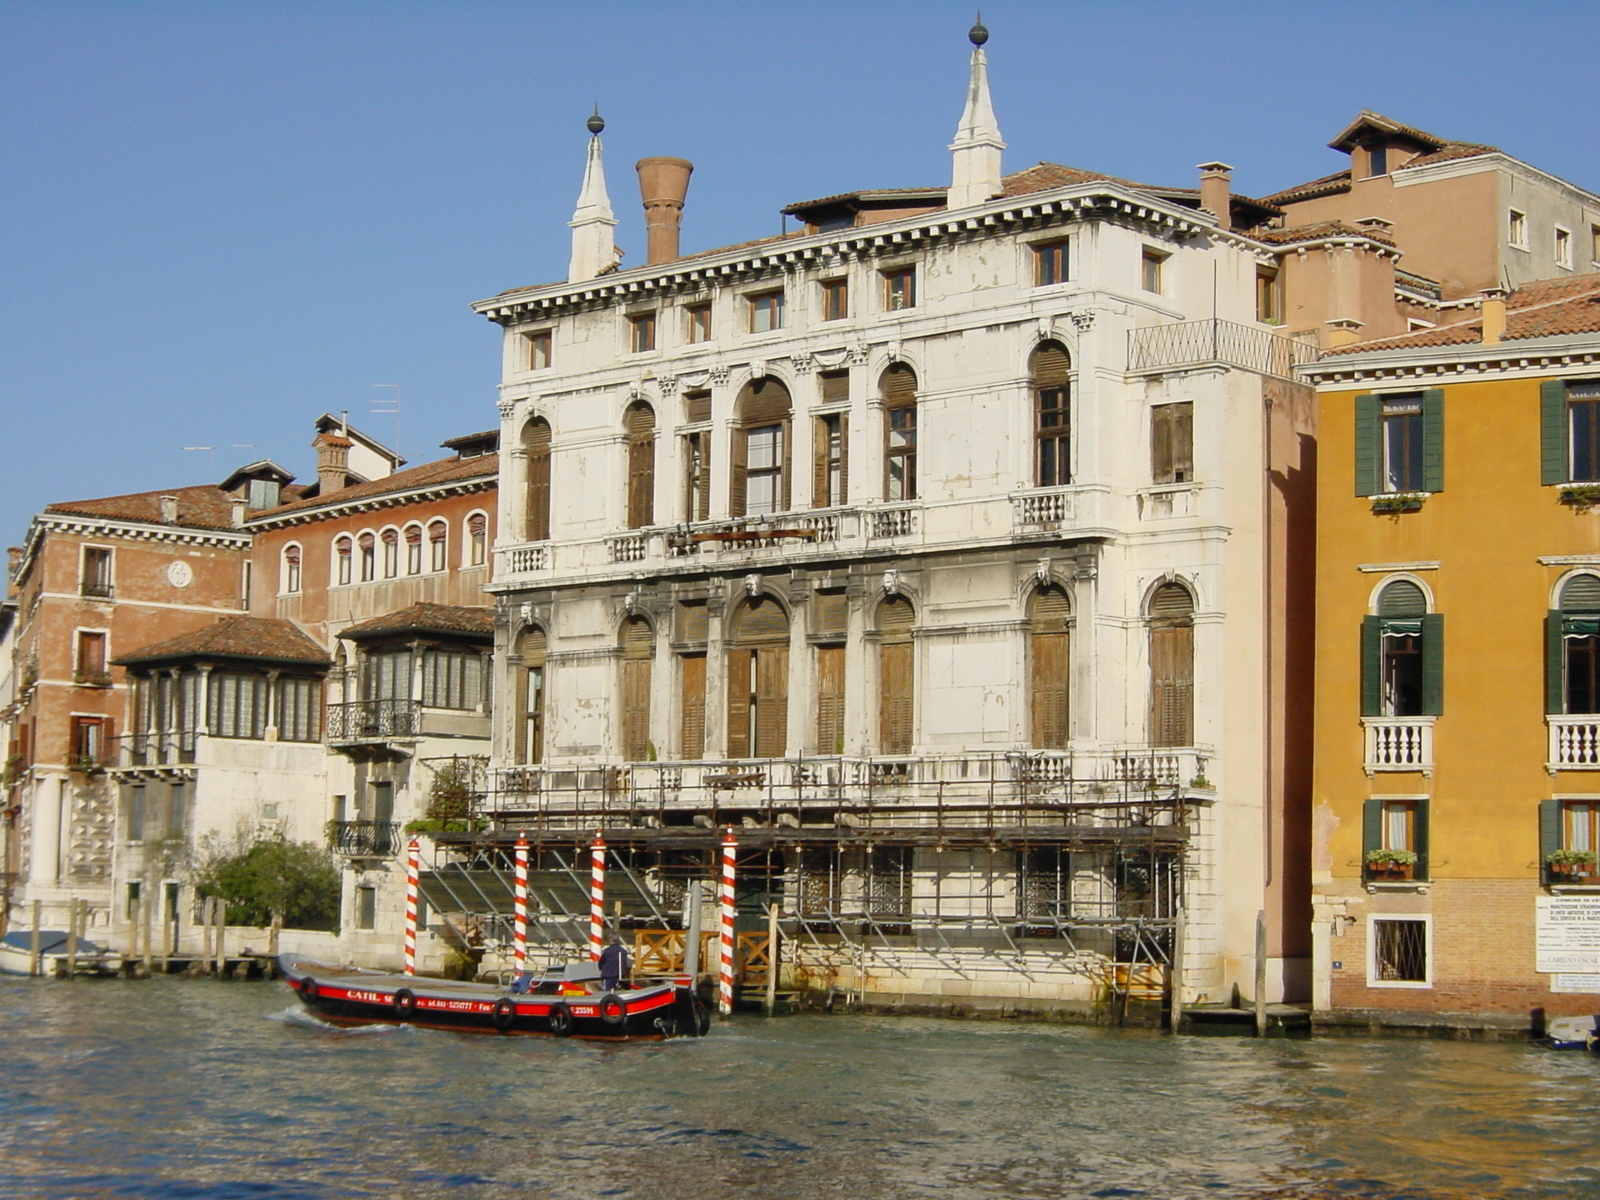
column 1548, row 308
column 1447, row 152
column 1319, row 230
column 1339, row 181
column 426, row 618
column 445, row 470
column 204, row 507
column 260, row 639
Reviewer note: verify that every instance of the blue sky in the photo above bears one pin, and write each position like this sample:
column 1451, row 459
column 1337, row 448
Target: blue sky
column 224, row 219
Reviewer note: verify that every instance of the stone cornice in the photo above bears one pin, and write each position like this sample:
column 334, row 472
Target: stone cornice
column 139, row 531
column 1555, row 355
column 339, row 508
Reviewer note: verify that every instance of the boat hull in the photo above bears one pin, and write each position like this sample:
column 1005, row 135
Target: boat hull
column 351, row 997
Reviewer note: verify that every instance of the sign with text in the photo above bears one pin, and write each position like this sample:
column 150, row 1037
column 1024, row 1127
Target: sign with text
column 1567, row 934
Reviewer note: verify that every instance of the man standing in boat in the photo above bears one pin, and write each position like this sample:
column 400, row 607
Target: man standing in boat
column 614, row 964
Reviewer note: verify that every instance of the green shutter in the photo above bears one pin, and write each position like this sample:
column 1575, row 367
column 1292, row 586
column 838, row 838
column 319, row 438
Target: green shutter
column 1553, row 454
column 1367, row 430
column 1549, row 831
column 1419, row 837
column 1433, row 440
column 1432, row 664
column 1371, row 827
column 1371, row 666
column 1554, row 664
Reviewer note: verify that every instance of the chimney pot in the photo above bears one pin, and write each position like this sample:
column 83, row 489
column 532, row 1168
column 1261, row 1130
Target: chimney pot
column 1494, row 314
column 169, row 510
column 663, row 184
column 1216, row 193
column 333, row 463
column 240, row 508
column 1344, row 332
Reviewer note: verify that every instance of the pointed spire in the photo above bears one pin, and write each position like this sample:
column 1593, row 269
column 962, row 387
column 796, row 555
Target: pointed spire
column 975, row 176
column 594, row 249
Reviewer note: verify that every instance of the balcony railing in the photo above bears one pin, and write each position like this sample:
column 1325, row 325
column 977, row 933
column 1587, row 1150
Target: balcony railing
column 521, row 559
column 1044, row 509
column 1196, row 343
column 365, row 839
column 1574, row 744
column 374, row 720
column 1399, row 744
column 891, row 522
column 90, row 678
column 95, row 589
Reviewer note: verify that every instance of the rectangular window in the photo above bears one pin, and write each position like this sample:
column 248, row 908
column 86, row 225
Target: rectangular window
column 91, row 666
column 835, row 299
column 831, row 449
column 238, row 705
column 900, row 453
column 696, row 407
column 136, row 812
column 697, row 475
column 366, row 907
column 697, row 322
column 298, row 709
column 1594, row 243
column 1053, row 435
column 452, row 679
column 1583, row 414
column 1399, row 443
column 1402, row 444
column 1377, row 160
column 1394, row 840
column 1153, row 270
column 1581, row 825
column 1569, row 840
column 642, row 332
column 1562, row 247
column 1269, row 296
column 1402, row 665
column 766, row 312
column 89, row 737
column 900, row 289
column 96, row 580
column 763, row 469
column 830, row 699
column 692, row 684
column 1399, row 953
column 1172, row 442
column 1049, row 263
column 538, row 350
column 1517, row 229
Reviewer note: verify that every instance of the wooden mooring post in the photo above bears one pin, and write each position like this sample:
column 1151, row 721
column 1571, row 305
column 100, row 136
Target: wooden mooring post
column 1175, row 1004
column 771, row 1002
column 221, row 911
column 1261, row 973
column 72, row 937
column 146, row 912
column 35, row 959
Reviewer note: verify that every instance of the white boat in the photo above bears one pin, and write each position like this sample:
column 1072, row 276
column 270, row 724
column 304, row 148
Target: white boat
column 16, row 952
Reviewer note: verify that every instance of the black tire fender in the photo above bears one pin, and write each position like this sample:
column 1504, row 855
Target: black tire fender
column 503, row 1015
column 613, row 1009
column 307, row 988
column 702, row 1019
column 405, row 1004
column 560, row 1020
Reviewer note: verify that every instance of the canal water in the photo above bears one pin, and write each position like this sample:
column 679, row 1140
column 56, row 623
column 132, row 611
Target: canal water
column 166, row 1088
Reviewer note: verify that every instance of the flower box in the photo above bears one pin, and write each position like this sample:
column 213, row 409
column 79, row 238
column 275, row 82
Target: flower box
column 1398, row 502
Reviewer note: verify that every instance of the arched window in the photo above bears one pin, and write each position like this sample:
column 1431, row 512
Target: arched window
column 369, row 557
column 896, row 675
column 391, row 552
column 899, row 387
column 530, row 688
column 1052, row 414
column 758, row 680
column 1171, row 621
column 1050, row 666
column 438, row 546
column 344, row 549
column 638, row 653
column 1572, row 648
column 413, row 549
column 536, row 507
column 477, row 540
column 291, row 569
column 1401, row 655
column 641, row 425
column 759, row 479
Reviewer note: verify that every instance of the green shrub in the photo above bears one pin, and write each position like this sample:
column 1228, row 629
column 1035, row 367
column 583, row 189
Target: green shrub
column 271, row 874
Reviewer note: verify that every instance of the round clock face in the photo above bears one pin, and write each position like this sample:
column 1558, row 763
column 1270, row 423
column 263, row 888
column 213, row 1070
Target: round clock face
column 180, row 574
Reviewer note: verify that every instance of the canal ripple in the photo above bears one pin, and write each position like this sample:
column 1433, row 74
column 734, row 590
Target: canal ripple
column 171, row 1089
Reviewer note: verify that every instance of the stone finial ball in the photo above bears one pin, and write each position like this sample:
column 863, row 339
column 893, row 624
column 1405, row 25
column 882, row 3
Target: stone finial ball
column 978, row 35
column 595, row 123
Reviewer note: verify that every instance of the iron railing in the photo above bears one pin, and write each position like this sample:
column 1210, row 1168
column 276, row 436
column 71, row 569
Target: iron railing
column 365, row 839
column 374, row 720
column 1194, row 343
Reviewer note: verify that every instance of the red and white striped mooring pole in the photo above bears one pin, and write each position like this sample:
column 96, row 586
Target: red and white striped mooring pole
column 519, row 931
column 413, row 855
column 597, row 896
column 730, row 847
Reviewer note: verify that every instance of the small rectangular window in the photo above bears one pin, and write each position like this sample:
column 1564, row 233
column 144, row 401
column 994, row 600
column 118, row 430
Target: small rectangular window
column 1269, row 296
column 766, row 312
column 1517, row 229
column 764, row 470
column 697, row 321
column 835, row 299
column 1399, row 952
column 1049, row 263
column 136, row 811
column 1172, row 442
column 96, row 579
column 366, row 907
column 1563, row 247
column 1153, row 270
column 1594, row 243
column 538, row 350
column 1402, row 443
column 900, row 453
column 88, row 742
column 1377, row 160
column 831, row 450
column 91, row 656
column 900, row 289
column 1583, row 416
column 642, row 332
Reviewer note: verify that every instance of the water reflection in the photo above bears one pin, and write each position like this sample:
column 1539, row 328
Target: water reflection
column 176, row 1089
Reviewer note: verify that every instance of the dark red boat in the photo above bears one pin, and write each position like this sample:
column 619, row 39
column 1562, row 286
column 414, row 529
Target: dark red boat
column 564, row 1002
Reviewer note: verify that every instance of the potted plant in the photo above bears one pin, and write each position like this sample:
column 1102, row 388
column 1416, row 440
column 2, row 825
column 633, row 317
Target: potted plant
column 1581, row 495
column 1391, row 864
column 1572, row 864
column 1398, row 502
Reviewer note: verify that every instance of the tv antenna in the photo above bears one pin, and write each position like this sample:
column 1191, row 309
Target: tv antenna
column 212, row 451
column 391, row 407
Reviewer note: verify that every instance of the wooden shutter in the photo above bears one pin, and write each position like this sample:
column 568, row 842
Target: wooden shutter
column 1550, row 831
column 1371, row 666
column 1051, row 667
column 830, row 699
column 739, row 668
column 1050, row 365
column 820, row 497
column 1368, row 429
column 692, row 691
column 786, row 491
column 830, row 613
column 536, row 438
column 641, row 466
column 1371, row 827
column 896, row 676
column 1555, row 665
column 1432, row 664
column 1554, row 451
column 1161, row 448
column 703, row 498
column 835, row 387
column 693, row 621
column 738, row 461
column 1419, row 837
column 1172, row 685
column 1433, row 440
column 772, row 701
column 638, row 651
column 696, row 407
column 533, row 646
column 1182, row 441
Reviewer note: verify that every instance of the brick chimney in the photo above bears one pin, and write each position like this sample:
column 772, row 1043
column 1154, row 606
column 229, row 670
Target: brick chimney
column 169, row 510
column 1494, row 314
column 663, row 184
column 1216, row 193
column 333, row 462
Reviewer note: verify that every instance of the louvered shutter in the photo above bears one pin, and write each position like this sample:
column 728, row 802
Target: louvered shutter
column 1050, row 365
column 1554, row 452
column 1371, row 666
column 1432, row 664
column 1172, row 685
column 1371, row 827
column 1550, row 839
column 1161, row 448
column 787, row 489
column 1555, row 647
column 692, row 685
column 830, row 699
column 739, row 669
column 772, row 701
column 1419, row 837
column 693, row 622
column 537, row 440
column 1433, row 440
column 1051, row 666
column 820, row 429
column 896, row 676
column 638, row 650
column 1368, row 423
column 739, row 458
column 830, row 613
column 641, row 466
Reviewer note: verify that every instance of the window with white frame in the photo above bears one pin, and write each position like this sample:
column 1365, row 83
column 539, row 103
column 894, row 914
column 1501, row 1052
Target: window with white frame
column 291, row 569
column 477, row 539
column 344, row 549
column 1517, row 229
column 1562, row 247
column 391, row 553
column 438, row 546
column 413, row 549
column 1400, row 952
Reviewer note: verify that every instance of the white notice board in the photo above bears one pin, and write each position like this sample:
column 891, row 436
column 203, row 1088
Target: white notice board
column 1567, row 934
